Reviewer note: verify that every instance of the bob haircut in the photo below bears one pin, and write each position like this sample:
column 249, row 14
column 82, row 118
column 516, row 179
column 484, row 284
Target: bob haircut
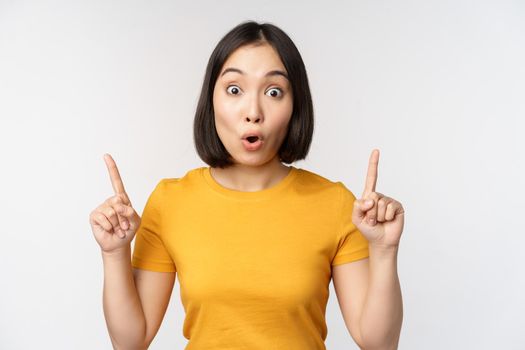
column 297, row 141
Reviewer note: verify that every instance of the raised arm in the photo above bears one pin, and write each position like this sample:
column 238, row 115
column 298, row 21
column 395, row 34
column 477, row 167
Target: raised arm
column 134, row 301
column 368, row 290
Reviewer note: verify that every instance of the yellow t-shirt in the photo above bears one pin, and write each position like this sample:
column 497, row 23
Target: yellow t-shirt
column 254, row 268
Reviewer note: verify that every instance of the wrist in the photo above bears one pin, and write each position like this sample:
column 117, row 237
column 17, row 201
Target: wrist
column 117, row 254
column 378, row 248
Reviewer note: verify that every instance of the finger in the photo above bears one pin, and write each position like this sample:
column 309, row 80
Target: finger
column 133, row 219
column 112, row 217
column 101, row 220
column 124, row 213
column 119, row 228
column 381, row 209
column 117, row 203
column 122, row 220
column 361, row 206
column 127, row 222
column 114, row 175
column 371, row 176
column 371, row 214
column 393, row 209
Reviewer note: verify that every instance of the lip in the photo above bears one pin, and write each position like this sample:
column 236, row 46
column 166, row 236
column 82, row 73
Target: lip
column 252, row 133
column 252, row 146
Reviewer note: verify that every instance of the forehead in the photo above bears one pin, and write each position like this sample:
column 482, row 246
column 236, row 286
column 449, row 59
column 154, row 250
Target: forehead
column 254, row 60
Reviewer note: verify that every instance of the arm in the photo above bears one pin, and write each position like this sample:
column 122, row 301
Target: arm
column 134, row 301
column 382, row 314
column 374, row 293
column 369, row 296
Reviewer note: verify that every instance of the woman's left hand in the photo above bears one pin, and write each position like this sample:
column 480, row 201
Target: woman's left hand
column 381, row 219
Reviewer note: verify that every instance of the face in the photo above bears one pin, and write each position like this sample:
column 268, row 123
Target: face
column 253, row 95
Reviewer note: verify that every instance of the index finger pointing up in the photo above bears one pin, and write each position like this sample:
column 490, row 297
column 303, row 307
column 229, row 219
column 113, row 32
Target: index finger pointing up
column 371, row 176
column 114, row 175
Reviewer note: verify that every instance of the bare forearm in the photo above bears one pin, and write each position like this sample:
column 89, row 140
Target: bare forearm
column 382, row 314
column 122, row 308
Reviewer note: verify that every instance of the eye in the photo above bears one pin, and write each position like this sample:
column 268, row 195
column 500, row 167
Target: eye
column 234, row 89
column 275, row 92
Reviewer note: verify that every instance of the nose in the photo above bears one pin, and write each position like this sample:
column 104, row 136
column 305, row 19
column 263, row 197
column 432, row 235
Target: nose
column 254, row 111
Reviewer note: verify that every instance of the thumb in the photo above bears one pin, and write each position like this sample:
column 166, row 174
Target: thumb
column 361, row 206
column 130, row 214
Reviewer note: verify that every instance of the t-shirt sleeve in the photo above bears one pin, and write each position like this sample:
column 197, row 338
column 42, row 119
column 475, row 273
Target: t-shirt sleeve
column 149, row 251
column 351, row 244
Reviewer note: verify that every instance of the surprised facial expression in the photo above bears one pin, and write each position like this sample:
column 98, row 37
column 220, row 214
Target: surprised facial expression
column 252, row 95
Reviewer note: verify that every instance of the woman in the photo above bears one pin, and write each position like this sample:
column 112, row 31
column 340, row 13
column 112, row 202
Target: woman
column 254, row 242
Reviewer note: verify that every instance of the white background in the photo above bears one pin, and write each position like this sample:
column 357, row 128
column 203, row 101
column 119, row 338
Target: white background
column 437, row 86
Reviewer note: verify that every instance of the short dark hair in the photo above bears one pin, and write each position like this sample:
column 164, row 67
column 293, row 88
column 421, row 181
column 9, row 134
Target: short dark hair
column 297, row 142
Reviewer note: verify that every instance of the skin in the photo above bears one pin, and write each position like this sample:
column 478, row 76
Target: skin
column 368, row 290
column 134, row 300
column 252, row 101
column 381, row 221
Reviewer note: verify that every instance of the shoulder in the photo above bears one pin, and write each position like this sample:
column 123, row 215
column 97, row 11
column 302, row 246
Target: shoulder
column 173, row 187
column 311, row 181
column 191, row 176
column 336, row 189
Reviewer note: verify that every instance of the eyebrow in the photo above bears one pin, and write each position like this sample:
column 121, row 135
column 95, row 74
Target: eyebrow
column 270, row 73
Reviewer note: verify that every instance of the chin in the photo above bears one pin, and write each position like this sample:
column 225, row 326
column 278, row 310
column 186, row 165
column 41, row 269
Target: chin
column 252, row 160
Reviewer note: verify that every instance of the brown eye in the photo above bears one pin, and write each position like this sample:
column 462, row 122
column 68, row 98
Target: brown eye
column 234, row 89
column 275, row 92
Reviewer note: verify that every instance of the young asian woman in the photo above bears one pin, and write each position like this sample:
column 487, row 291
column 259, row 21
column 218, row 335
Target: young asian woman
column 253, row 241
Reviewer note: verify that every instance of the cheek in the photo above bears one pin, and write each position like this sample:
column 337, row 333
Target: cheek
column 223, row 101
column 225, row 126
column 283, row 120
column 221, row 112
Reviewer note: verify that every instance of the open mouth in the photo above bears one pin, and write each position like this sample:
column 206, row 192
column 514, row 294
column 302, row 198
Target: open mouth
column 252, row 139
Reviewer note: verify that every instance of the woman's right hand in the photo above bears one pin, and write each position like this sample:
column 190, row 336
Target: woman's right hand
column 114, row 222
